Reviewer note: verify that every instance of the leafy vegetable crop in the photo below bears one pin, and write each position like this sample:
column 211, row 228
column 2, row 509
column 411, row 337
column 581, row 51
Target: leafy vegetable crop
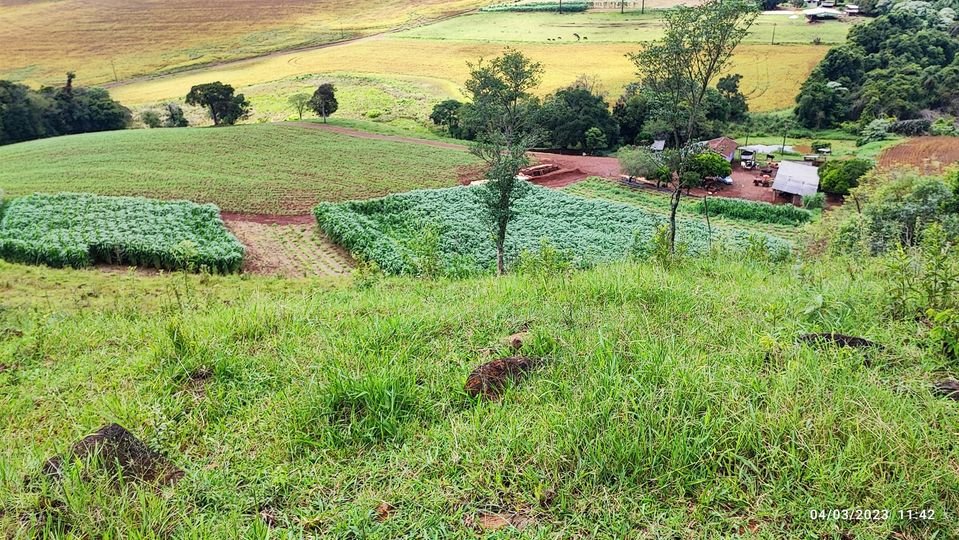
column 79, row 230
column 783, row 214
column 385, row 230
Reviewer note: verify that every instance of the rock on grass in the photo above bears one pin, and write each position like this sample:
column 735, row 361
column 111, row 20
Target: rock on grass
column 947, row 388
column 838, row 339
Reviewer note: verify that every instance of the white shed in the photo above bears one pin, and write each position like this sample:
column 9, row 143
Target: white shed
column 797, row 179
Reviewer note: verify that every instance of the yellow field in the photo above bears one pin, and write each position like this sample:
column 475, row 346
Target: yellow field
column 41, row 40
column 771, row 74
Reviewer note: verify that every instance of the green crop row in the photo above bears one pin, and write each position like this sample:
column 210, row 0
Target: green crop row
column 387, row 230
column 78, row 230
column 782, row 214
column 540, row 6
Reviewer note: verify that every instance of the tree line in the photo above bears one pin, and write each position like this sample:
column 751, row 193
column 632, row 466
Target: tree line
column 27, row 114
column 578, row 116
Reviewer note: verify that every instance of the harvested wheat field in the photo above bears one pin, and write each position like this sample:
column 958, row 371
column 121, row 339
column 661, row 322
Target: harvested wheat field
column 929, row 154
column 118, row 39
column 771, row 74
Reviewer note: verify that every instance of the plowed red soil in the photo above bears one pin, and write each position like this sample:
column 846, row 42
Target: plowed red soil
column 928, row 154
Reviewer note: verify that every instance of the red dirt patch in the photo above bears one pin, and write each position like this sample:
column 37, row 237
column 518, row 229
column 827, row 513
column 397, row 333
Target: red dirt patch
column 928, row 154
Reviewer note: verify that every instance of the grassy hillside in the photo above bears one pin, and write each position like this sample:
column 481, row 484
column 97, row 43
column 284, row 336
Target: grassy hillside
column 252, row 168
column 663, row 409
column 124, row 38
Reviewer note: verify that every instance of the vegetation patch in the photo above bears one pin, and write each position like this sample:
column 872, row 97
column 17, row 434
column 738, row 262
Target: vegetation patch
column 557, row 7
column 390, row 230
column 80, row 230
column 783, row 214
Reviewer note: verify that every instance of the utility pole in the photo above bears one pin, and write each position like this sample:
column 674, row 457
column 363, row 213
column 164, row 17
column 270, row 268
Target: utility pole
column 622, row 6
column 642, row 10
column 773, row 41
column 114, row 66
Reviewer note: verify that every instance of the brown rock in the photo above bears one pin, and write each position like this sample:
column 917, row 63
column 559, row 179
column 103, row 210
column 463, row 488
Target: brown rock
column 516, row 340
column 116, row 446
column 492, row 522
column 490, row 378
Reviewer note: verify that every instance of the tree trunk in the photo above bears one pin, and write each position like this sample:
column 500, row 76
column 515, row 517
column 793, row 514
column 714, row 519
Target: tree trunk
column 500, row 248
column 673, row 206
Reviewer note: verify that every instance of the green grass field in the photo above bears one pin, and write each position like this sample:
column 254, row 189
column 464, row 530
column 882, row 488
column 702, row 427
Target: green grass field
column 263, row 168
column 673, row 403
column 610, row 27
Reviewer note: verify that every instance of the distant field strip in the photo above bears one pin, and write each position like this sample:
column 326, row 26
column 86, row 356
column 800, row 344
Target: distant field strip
column 124, row 38
column 78, row 230
column 772, row 74
column 257, row 168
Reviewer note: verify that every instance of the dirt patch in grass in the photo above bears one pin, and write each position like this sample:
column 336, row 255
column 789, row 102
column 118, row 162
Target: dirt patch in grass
column 929, row 154
column 491, row 378
column 115, row 446
column 288, row 246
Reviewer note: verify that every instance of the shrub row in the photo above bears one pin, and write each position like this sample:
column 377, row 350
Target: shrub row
column 78, row 230
column 570, row 7
column 782, row 214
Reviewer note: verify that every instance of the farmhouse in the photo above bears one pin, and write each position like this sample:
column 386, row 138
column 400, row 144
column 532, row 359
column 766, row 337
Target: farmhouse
column 796, row 180
column 723, row 146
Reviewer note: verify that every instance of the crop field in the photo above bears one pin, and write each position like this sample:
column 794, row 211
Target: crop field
column 592, row 231
column 79, row 230
column 258, row 168
column 658, row 203
column 928, row 154
column 108, row 39
column 608, row 26
column 772, row 74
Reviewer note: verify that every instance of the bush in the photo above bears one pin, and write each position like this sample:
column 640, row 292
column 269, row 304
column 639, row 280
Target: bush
column 839, row 176
column 814, row 202
column 877, row 130
column 944, row 126
column 911, row 128
column 782, row 214
column 151, row 119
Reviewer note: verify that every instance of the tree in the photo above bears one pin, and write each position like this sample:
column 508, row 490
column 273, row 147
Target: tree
column 595, row 140
column 697, row 46
column 446, row 114
column 710, row 163
column 639, row 161
column 224, row 107
column 570, row 113
column 175, row 117
column 501, row 91
column 299, row 102
column 839, row 176
column 323, row 102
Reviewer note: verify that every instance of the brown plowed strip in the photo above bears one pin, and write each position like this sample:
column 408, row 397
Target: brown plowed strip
column 288, row 246
column 929, row 154
column 350, row 132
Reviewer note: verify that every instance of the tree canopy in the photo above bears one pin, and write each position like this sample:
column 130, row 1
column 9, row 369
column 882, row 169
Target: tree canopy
column 323, row 102
column 27, row 114
column 225, row 107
